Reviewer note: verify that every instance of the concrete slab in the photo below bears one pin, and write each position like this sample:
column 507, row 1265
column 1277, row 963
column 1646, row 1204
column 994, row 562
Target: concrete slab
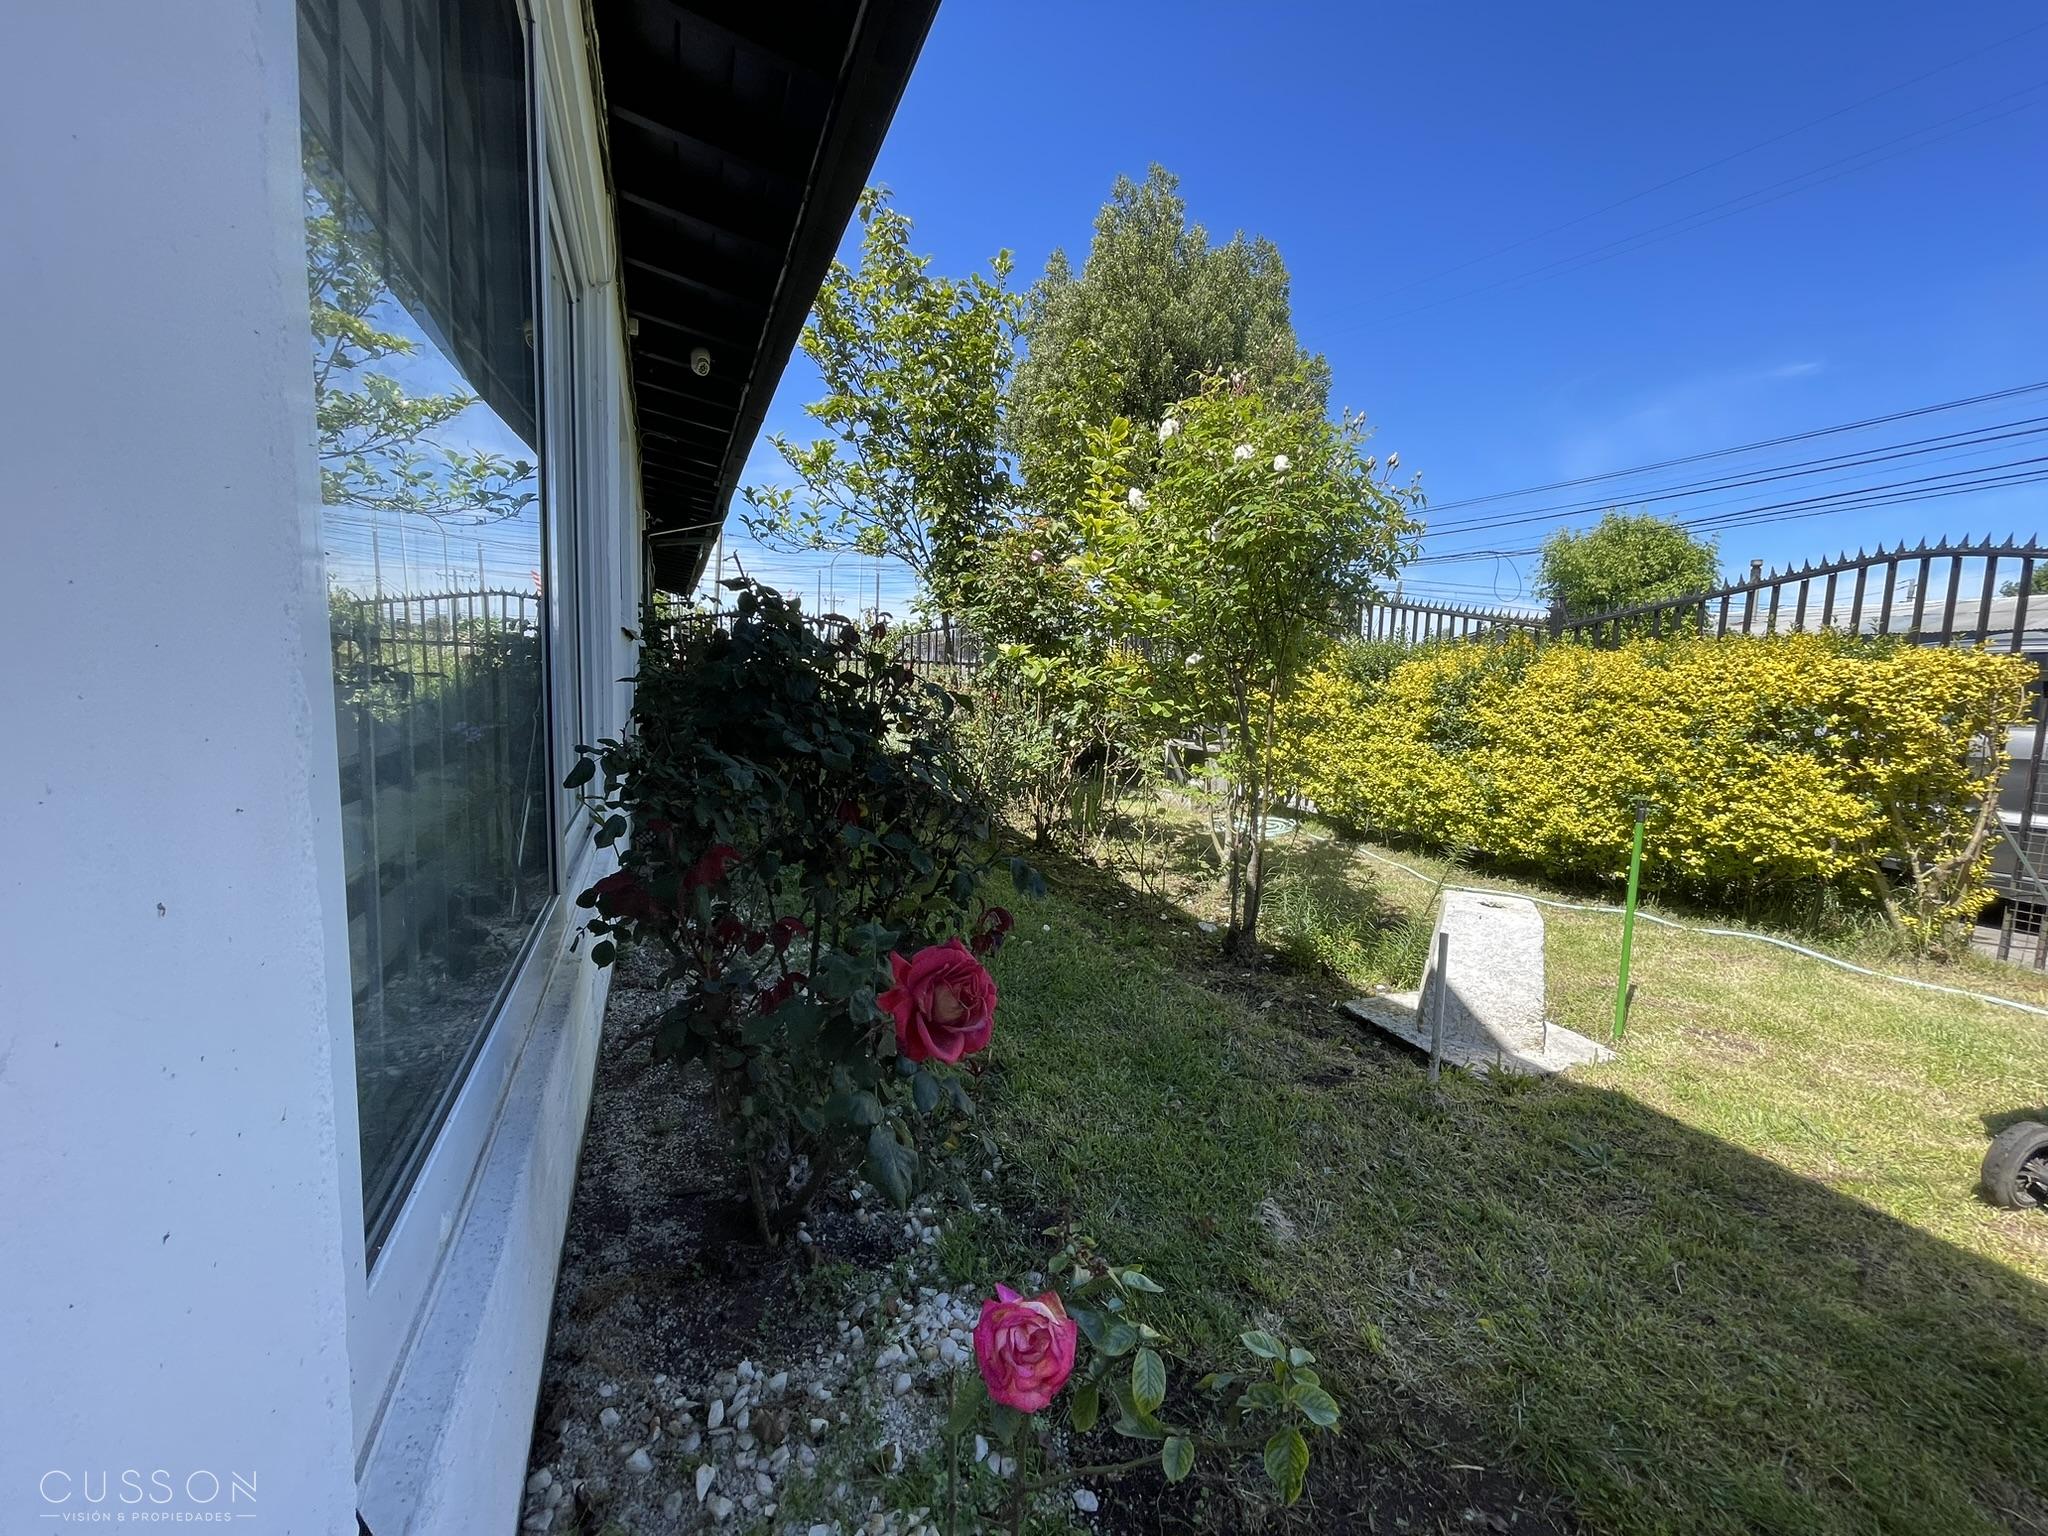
column 1490, row 990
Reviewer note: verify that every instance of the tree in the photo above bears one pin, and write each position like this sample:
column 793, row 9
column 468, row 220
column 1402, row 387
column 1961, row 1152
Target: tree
column 374, row 436
column 915, row 367
column 2035, row 586
column 1261, row 525
column 1626, row 559
column 1154, row 311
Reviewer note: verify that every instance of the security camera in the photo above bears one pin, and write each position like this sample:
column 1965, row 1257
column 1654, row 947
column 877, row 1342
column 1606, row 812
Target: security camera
column 700, row 361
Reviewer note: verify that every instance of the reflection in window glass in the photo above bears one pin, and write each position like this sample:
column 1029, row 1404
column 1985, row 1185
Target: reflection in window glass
column 419, row 263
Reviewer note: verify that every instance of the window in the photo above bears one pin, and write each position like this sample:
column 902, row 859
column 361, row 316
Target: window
column 420, row 247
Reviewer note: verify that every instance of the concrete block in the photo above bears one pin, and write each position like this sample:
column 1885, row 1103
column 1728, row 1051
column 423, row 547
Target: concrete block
column 1490, row 990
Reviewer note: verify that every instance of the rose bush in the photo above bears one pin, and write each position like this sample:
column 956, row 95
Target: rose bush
column 792, row 826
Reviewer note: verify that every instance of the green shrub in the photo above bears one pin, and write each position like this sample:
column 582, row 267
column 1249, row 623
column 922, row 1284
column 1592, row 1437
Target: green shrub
column 1773, row 764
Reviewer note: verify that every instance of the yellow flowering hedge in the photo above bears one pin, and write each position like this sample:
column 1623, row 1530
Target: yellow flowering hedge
column 1773, row 763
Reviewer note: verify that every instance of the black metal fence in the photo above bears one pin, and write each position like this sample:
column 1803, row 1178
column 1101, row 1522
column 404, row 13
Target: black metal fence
column 1965, row 593
column 939, row 648
column 1941, row 594
column 952, row 647
column 1414, row 623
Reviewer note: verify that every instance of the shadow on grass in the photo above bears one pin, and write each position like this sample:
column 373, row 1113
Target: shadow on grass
column 2005, row 1119
column 1672, row 1332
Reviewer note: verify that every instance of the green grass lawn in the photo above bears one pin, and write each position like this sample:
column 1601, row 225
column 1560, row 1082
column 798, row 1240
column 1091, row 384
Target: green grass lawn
column 1736, row 1281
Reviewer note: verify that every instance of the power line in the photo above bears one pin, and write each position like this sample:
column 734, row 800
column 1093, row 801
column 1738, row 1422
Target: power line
column 1974, row 437
column 1889, row 493
column 1990, row 477
column 1768, row 442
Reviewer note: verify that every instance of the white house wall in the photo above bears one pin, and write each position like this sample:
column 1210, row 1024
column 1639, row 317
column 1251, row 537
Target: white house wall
column 180, row 1236
column 171, row 1247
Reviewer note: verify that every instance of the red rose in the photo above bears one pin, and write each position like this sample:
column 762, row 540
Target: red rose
column 775, row 996
column 728, row 930
column 944, row 1002
column 620, row 894
column 994, row 927
column 784, row 931
column 711, row 869
column 848, row 813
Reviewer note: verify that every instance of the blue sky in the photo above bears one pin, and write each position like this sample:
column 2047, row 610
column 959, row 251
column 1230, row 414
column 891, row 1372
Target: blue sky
column 1892, row 255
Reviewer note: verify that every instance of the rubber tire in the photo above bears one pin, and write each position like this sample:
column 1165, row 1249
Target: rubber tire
column 2016, row 1146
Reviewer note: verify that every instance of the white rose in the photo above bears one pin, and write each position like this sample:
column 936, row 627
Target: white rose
column 1194, row 658
column 1167, row 428
column 1280, row 463
column 1136, row 499
column 1393, row 461
column 1242, row 451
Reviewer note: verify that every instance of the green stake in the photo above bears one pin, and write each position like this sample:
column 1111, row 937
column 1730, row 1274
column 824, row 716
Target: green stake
column 1628, row 920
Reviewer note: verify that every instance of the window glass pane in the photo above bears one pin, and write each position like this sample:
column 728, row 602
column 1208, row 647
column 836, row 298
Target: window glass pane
column 419, row 249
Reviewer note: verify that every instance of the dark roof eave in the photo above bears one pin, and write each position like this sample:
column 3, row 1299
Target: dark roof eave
column 882, row 47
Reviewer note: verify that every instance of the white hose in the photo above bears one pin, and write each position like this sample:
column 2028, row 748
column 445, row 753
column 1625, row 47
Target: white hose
column 1722, row 933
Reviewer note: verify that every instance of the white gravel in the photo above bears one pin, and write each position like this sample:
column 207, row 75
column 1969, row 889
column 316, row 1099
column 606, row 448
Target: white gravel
column 886, row 1366
column 721, row 1445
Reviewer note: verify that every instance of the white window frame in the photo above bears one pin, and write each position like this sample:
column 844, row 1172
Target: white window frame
column 389, row 1296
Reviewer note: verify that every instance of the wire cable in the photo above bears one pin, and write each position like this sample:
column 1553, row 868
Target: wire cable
column 1892, row 493
column 1768, row 442
column 1883, row 453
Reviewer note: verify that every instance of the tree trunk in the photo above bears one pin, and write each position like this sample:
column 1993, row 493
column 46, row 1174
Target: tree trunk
column 1254, row 873
column 1233, row 865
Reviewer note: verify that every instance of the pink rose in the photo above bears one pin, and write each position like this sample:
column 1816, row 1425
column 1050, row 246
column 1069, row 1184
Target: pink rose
column 944, row 1002
column 1025, row 1348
